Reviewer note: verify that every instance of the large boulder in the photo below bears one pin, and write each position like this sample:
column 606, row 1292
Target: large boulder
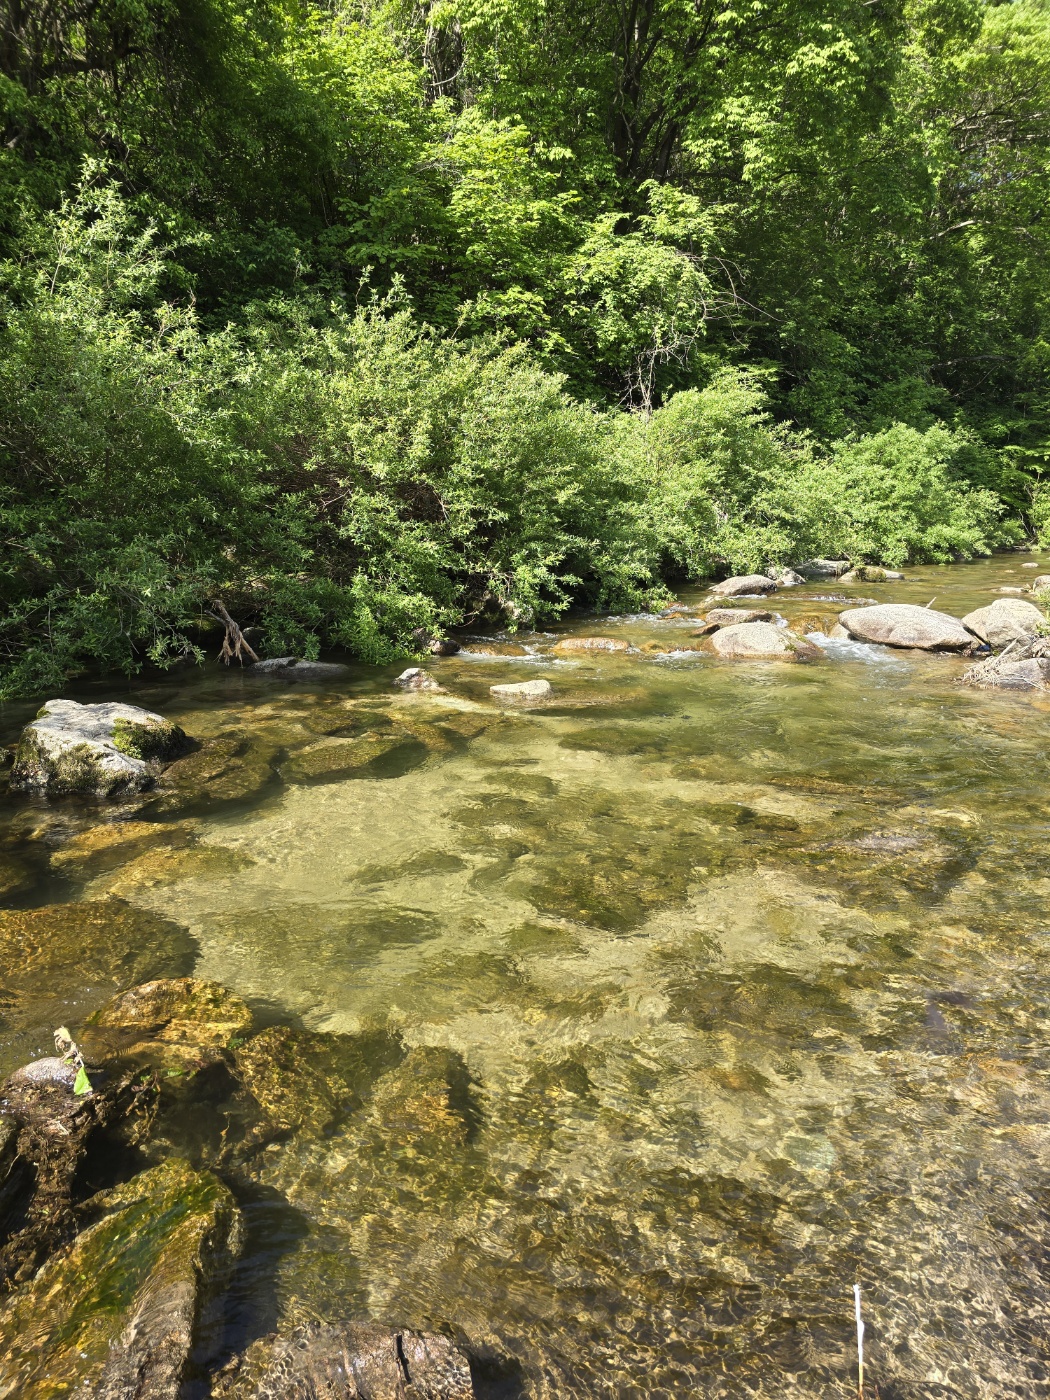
column 1004, row 621
column 744, row 586
column 105, row 750
column 117, row 1314
column 348, row 1361
column 761, row 641
column 905, row 625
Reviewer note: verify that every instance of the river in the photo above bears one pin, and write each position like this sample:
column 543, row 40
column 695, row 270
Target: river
column 745, row 968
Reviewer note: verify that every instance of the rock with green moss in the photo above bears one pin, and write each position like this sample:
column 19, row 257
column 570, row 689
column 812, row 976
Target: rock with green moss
column 54, row 1127
column 307, row 1081
column 62, row 961
column 373, row 755
column 100, row 750
column 170, row 1022
column 349, row 1361
column 119, row 1313
column 227, row 769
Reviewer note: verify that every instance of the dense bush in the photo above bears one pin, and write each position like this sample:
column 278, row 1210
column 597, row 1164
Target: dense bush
column 345, row 477
column 731, row 489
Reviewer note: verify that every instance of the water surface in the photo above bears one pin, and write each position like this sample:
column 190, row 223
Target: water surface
column 747, row 966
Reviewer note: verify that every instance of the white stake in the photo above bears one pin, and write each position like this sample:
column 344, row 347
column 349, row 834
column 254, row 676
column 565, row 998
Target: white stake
column 860, row 1342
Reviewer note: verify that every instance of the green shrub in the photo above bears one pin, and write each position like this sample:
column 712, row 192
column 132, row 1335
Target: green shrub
column 729, row 489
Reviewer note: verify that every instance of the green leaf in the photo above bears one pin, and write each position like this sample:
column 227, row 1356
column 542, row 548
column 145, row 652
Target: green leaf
column 82, row 1084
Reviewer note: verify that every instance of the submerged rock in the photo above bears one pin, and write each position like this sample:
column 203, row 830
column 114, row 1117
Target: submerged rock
column 14, row 875
column 728, row 617
column 805, row 623
column 173, row 1011
column 905, row 625
column 111, row 844
column 424, row 1097
column 415, row 678
column 743, row 585
column 494, row 649
column 62, row 961
column 524, row 693
column 309, row 1080
column 1004, row 621
column 348, row 1361
column 759, row 640
column 117, row 1314
column 294, row 668
column 230, row 768
column 336, row 759
column 568, row 646
column 104, row 750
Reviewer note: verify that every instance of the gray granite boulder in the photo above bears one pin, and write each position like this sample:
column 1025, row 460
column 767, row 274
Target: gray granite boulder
column 761, row 641
column 745, row 586
column 1004, row 621
column 105, row 750
column 824, row 568
column 905, row 625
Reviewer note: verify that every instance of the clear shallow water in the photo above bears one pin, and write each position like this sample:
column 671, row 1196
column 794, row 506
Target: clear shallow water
column 748, row 968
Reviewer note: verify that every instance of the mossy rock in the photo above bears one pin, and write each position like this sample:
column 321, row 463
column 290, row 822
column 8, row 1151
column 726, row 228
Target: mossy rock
column 305, row 1081
column 111, row 844
column 168, row 865
column 375, row 755
column 107, row 750
column 118, row 1313
column 62, row 961
column 176, row 1010
column 150, row 740
column 230, row 768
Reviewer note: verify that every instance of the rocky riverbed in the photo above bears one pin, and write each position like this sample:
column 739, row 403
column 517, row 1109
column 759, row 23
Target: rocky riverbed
column 604, row 1034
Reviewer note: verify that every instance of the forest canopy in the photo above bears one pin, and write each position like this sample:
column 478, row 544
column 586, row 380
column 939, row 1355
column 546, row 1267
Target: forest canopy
column 373, row 318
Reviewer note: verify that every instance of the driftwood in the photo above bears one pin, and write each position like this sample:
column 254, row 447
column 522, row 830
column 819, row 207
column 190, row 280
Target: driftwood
column 234, row 646
column 988, row 672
